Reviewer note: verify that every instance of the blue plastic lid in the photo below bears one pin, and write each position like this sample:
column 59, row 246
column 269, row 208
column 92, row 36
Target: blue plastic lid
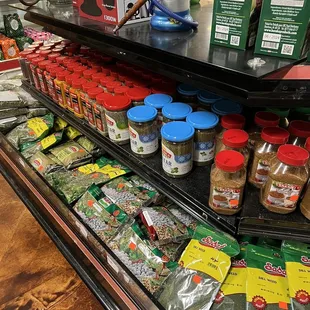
column 224, row 107
column 177, row 110
column 177, row 131
column 157, row 100
column 202, row 120
column 189, row 90
column 207, row 97
column 142, row 113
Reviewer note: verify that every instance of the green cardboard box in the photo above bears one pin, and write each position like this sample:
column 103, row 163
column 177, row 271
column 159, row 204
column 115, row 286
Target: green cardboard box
column 235, row 23
column 284, row 28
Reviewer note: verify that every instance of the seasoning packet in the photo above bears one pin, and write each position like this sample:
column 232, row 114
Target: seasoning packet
column 5, row 113
column 89, row 146
column 43, row 164
column 297, row 263
column 128, row 197
column 10, row 100
column 203, row 268
column 163, row 226
column 71, row 154
column 269, row 243
column 267, row 285
column 131, row 250
column 59, row 124
column 72, row 133
column 34, row 129
column 34, row 112
column 100, row 214
column 9, row 123
column 23, row 42
column 54, row 158
column 13, row 25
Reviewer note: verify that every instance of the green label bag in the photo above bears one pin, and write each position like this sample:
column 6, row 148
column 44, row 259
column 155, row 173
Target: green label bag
column 13, row 25
column 43, row 164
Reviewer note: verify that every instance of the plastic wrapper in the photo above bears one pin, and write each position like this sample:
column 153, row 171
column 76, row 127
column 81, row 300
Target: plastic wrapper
column 269, row 243
column 23, row 42
column 9, row 48
column 8, row 124
column 128, row 197
column 34, row 129
column 204, row 266
column 27, row 99
column 72, row 133
column 9, row 85
column 43, row 164
column 163, row 226
column 89, row 146
column 183, row 217
column 100, row 214
column 297, row 263
column 34, row 112
column 5, row 113
column 59, row 124
column 13, row 25
column 11, row 100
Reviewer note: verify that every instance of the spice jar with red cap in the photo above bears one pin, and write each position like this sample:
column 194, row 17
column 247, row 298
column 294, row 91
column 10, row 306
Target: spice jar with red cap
column 75, row 96
column 60, row 60
column 88, row 74
column 67, row 85
column 99, row 112
column 53, row 56
column 227, row 178
column 120, row 90
column 50, row 82
column 46, row 73
column 112, row 85
column 116, row 109
column 28, row 62
column 59, row 86
column 299, row 132
column 105, row 80
column 237, row 140
column 22, row 63
column 307, row 147
column 137, row 95
column 287, row 176
column 262, row 119
column 90, row 102
column 230, row 121
column 45, row 53
column 96, row 77
column 83, row 95
column 79, row 70
column 266, row 150
column 33, row 66
column 40, row 72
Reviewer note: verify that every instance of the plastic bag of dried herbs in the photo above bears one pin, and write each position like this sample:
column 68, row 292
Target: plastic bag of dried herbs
column 72, row 133
column 267, row 285
column 90, row 146
column 203, row 268
column 23, row 42
column 34, row 129
column 59, row 124
column 30, row 148
column 8, row 124
column 13, row 25
column 34, row 112
column 43, row 164
column 5, row 113
column 100, row 214
column 138, row 257
column 11, row 100
column 163, row 226
column 127, row 196
column 297, row 263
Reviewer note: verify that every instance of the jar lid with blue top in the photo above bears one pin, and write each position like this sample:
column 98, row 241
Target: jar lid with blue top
column 202, row 120
column 177, row 131
column 157, row 101
column 177, row 111
column 224, row 107
column 187, row 90
column 141, row 114
column 208, row 98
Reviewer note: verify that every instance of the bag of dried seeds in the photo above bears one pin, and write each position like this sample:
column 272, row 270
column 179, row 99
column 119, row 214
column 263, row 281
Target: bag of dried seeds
column 127, row 196
column 203, row 268
column 100, row 214
column 59, row 124
column 163, row 226
column 267, row 285
column 8, row 124
column 297, row 263
column 43, row 164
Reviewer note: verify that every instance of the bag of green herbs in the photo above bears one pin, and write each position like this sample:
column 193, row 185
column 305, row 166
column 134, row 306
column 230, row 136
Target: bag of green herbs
column 5, row 113
column 34, row 129
column 60, row 124
column 297, row 263
column 23, row 42
column 34, row 112
column 267, row 285
column 128, row 197
column 89, row 146
column 43, row 164
column 72, row 133
column 8, row 124
column 11, row 100
column 203, row 268
column 100, row 214
column 13, row 25
column 139, row 258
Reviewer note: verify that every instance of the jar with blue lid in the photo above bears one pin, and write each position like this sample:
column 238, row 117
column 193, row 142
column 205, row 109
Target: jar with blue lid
column 188, row 94
column 206, row 99
column 177, row 111
column 158, row 101
column 177, row 148
column 225, row 107
column 204, row 123
column 143, row 130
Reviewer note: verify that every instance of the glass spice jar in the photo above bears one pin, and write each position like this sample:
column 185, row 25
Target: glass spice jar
column 60, row 60
column 29, row 59
column 116, row 116
column 22, row 63
column 83, row 95
column 40, row 72
column 237, row 140
column 59, row 86
column 96, row 77
column 47, row 73
column 45, row 53
column 176, row 111
column 225, row 107
column 67, row 85
column 143, row 130
column 112, row 85
column 75, row 97
column 53, row 56
column 188, row 94
column 99, row 112
column 230, row 121
column 283, row 113
column 120, row 90
column 90, row 101
column 204, row 123
column 79, row 70
column 164, row 89
column 33, row 68
column 105, row 80
column 177, row 148
column 265, row 151
column 72, row 65
column 307, row 147
column 287, row 176
column 51, row 84
column 206, row 99
column 105, row 71
column 299, row 132
column 137, row 95
column 227, row 178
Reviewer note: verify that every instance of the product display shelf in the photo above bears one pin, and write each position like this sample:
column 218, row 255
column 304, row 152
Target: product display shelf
column 183, row 56
column 109, row 280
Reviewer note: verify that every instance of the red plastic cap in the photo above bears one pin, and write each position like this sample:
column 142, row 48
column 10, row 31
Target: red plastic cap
column 72, row 65
column 233, row 121
column 36, row 60
column 88, row 73
column 79, row 69
column 138, row 93
column 117, row 103
column 156, row 79
column 84, row 60
column 24, row 54
column 54, row 71
column 44, row 48
column 293, row 155
column 88, row 85
column 111, row 85
column 266, row 119
column 106, row 79
column 275, row 135
column 307, row 144
column 77, row 83
column 97, row 76
column 128, row 82
column 44, row 63
column 229, row 161
column 51, row 66
column 57, row 50
column 71, row 77
column 45, row 53
column 137, row 83
column 300, row 129
column 235, row 138
column 105, row 71
column 53, row 56
column 84, row 50
column 121, row 90
column 61, row 59
column 101, row 98
column 62, row 75
column 68, row 60
column 94, row 92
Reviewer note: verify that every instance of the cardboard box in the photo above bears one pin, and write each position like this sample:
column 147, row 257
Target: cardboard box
column 284, row 28
column 112, row 11
column 235, row 23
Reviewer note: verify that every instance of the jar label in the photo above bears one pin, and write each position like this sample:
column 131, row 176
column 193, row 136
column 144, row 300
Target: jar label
column 41, row 80
column 176, row 164
column 143, row 144
column 262, row 171
column 59, row 95
column 118, row 131
column 68, row 99
column 227, row 198
column 204, row 151
column 282, row 194
column 99, row 120
column 35, row 77
column 90, row 114
column 84, row 106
